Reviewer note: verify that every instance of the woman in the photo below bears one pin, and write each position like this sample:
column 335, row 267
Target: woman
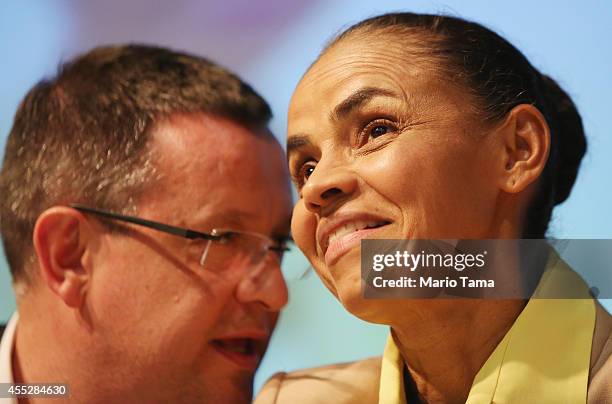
column 431, row 127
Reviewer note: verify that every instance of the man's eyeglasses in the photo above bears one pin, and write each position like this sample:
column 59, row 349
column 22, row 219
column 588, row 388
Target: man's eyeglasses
column 224, row 248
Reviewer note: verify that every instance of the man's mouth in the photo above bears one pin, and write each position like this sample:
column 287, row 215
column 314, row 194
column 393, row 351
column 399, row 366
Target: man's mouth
column 244, row 352
column 345, row 235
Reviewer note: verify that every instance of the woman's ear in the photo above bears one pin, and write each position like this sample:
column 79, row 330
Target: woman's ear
column 60, row 237
column 526, row 138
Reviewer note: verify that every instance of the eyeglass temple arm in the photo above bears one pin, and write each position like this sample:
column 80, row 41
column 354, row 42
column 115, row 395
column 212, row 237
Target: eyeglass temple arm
column 178, row 231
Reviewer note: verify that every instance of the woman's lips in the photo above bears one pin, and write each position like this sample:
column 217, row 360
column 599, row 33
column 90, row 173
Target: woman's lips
column 341, row 245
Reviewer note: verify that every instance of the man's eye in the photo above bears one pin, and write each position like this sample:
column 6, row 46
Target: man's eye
column 228, row 237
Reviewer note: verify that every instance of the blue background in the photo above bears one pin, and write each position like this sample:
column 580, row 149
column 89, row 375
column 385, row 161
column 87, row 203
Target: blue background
column 270, row 44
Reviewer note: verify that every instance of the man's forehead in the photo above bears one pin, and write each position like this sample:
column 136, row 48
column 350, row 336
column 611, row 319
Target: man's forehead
column 199, row 144
column 244, row 219
column 236, row 217
column 210, row 134
column 209, row 167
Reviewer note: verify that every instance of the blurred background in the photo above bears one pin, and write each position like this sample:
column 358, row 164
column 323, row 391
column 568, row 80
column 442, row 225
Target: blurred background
column 270, row 44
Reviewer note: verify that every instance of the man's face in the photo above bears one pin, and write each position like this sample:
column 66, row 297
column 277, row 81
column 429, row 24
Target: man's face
column 164, row 318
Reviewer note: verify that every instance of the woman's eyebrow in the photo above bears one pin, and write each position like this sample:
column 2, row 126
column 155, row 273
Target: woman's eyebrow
column 357, row 99
column 297, row 142
column 344, row 108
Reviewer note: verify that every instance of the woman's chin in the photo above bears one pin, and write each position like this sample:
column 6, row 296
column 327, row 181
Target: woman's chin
column 351, row 297
column 343, row 279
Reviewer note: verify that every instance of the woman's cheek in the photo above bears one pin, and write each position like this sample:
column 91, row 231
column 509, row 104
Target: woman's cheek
column 304, row 230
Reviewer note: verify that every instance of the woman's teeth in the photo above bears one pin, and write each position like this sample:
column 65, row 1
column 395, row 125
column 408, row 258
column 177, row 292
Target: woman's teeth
column 352, row 227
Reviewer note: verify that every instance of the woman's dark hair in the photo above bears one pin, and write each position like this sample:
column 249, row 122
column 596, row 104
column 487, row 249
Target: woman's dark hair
column 500, row 77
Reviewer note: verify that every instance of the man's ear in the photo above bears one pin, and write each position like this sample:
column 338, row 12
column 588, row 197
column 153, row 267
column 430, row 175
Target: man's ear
column 526, row 138
column 60, row 240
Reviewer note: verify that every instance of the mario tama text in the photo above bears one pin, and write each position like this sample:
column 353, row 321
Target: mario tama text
column 434, row 266
column 424, row 269
column 499, row 269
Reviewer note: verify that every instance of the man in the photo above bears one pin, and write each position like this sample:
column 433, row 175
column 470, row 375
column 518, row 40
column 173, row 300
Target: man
column 178, row 307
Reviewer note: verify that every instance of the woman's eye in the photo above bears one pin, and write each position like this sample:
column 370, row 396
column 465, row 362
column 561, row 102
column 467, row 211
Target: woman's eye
column 305, row 172
column 378, row 130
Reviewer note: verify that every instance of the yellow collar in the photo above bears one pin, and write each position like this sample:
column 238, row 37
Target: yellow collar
column 544, row 357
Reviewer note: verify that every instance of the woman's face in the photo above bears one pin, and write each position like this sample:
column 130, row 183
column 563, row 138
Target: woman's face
column 380, row 147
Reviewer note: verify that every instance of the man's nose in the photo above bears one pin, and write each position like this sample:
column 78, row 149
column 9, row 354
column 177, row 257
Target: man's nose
column 264, row 284
column 327, row 185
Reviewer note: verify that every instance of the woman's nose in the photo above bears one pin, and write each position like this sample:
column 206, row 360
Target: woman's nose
column 326, row 186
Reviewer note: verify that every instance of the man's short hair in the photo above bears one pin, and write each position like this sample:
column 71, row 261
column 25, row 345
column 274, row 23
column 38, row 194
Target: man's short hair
column 82, row 136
